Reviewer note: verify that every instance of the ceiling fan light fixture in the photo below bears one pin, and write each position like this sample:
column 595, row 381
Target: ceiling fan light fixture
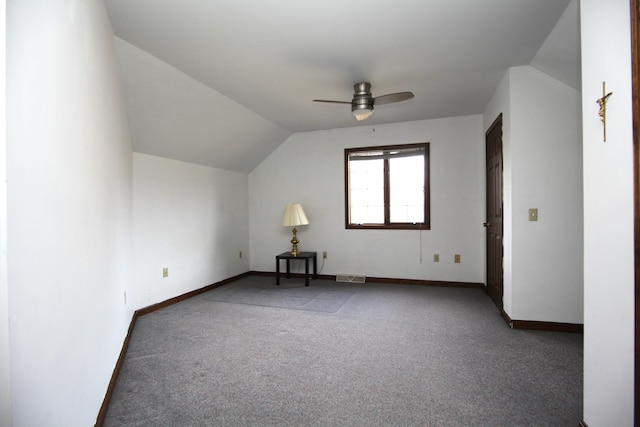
column 362, row 114
column 363, row 102
column 362, row 105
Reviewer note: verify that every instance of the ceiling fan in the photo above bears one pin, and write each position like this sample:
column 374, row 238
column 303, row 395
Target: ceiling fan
column 363, row 102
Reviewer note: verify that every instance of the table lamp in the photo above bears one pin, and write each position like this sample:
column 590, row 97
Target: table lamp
column 294, row 216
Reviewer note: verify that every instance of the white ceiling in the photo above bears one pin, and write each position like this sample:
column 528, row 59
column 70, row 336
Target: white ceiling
column 223, row 83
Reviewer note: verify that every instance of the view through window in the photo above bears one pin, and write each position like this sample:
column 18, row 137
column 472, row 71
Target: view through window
column 387, row 186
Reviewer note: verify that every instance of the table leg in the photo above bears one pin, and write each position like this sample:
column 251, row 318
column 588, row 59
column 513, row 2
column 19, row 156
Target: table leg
column 277, row 271
column 315, row 267
column 288, row 271
column 306, row 271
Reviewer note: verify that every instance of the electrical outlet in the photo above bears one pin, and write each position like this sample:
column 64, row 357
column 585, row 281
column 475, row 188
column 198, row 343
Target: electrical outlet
column 324, row 255
column 456, row 258
column 165, row 272
column 436, row 257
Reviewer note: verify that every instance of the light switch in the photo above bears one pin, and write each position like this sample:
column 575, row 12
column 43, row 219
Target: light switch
column 533, row 214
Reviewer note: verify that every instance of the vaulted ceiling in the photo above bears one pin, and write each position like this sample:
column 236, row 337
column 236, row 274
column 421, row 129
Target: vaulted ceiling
column 223, row 83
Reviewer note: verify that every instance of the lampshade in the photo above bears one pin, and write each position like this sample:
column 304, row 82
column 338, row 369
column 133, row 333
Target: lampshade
column 294, row 215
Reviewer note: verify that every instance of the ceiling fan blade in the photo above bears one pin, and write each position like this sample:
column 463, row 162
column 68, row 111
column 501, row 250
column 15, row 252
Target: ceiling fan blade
column 392, row 97
column 332, row 102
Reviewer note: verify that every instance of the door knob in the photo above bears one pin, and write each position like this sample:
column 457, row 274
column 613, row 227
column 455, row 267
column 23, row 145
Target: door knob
column 486, row 224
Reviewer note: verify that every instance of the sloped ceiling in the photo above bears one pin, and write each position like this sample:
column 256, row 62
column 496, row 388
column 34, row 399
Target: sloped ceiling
column 175, row 116
column 223, row 83
column 559, row 55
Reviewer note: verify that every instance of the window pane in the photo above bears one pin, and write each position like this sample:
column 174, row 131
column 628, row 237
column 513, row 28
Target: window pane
column 385, row 187
column 406, row 188
column 366, row 183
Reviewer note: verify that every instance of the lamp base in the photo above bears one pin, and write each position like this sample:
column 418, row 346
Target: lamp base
column 294, row 243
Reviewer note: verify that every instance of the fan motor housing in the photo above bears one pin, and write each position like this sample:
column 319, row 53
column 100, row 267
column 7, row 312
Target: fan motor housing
column 362, row 99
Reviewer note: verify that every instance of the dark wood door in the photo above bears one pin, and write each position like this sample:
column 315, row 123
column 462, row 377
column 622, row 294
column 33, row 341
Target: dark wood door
column 493, row 222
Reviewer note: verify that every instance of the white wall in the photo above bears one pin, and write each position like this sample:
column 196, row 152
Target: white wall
column 69, row 210
column 191, row 219
column 5, row 373
column 608, row 216
column 541, row 169
column 546, row 156
column 309, row 168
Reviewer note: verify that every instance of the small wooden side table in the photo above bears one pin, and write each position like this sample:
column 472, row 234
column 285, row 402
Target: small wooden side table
column 306, row 256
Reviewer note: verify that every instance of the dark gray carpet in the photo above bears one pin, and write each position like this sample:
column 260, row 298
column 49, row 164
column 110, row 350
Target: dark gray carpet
column 391, row 355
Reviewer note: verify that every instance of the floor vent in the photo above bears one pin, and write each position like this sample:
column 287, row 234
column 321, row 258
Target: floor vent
column 352, row 278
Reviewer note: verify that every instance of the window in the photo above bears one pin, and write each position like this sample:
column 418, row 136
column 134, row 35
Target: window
column 387, row 187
